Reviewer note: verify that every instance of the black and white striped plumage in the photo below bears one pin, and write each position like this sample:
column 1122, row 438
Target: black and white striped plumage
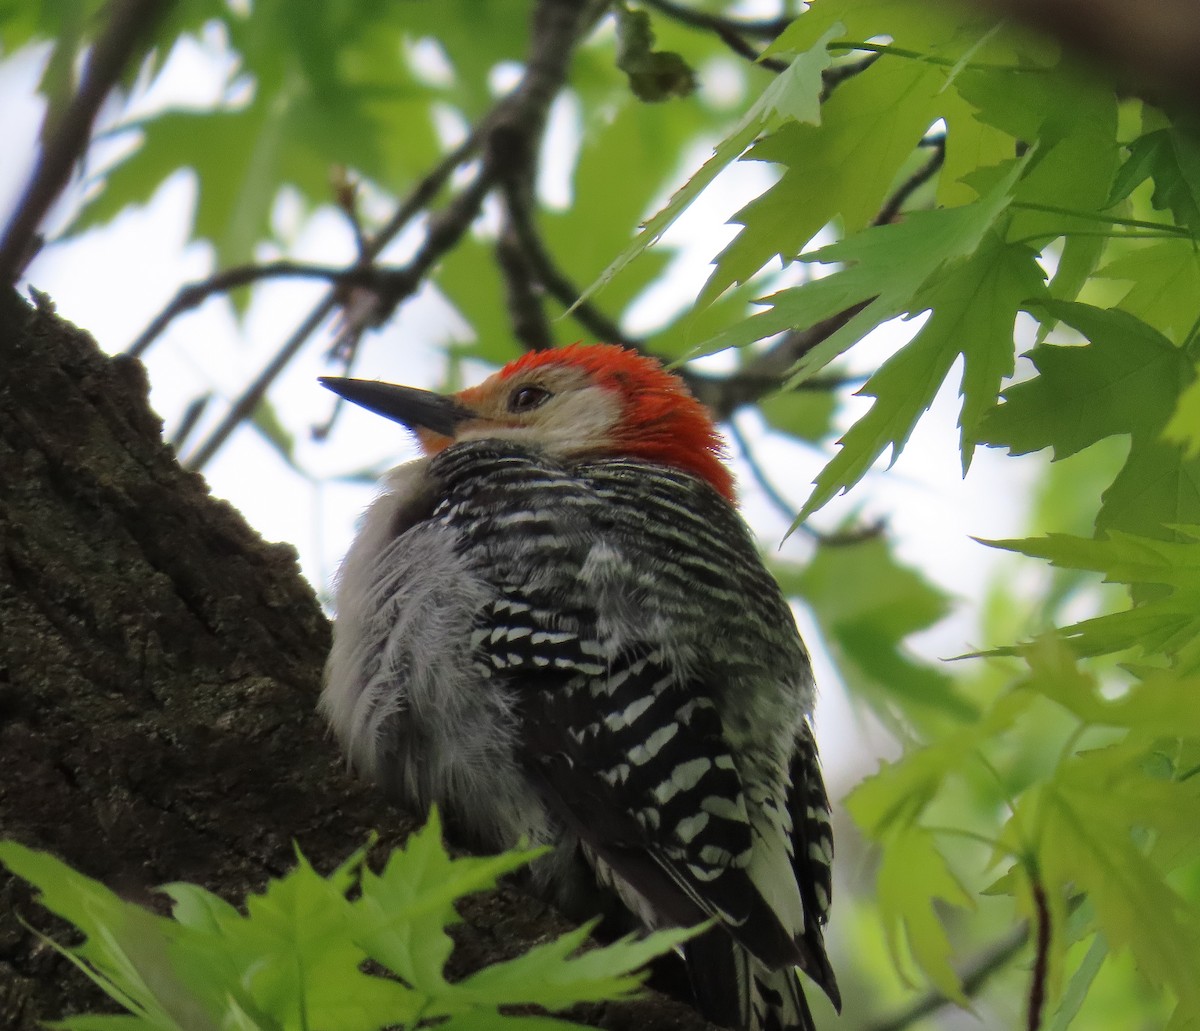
column 589, row 653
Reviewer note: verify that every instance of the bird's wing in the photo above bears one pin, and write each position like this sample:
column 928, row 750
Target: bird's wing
column 636, row 764
column 812, row 858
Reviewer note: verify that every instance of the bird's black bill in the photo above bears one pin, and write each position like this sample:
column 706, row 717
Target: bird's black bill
column 417, row 409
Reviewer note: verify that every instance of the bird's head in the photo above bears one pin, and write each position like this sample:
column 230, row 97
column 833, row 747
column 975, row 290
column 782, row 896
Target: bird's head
column 573, row 402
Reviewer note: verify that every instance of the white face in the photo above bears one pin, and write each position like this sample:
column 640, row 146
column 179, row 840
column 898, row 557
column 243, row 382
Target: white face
column 559, row 408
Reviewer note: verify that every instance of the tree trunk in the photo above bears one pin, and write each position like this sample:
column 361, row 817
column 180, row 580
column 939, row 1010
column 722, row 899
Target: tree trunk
column 159, row 666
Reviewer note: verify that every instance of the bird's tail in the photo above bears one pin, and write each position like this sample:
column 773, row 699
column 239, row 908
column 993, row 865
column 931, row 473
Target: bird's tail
column 779, row 1003
column 735, row 990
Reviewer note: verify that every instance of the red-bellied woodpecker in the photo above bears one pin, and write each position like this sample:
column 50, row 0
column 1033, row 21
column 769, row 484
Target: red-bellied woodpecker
column 556, row 627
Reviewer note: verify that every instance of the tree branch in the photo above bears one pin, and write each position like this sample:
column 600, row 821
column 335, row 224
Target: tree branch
column 64, row 141
column 733, row 33
column 833, row 77
column 556, row 282
column 768, row 369
column 503, row 137
column 524, row 295
column 781, row 504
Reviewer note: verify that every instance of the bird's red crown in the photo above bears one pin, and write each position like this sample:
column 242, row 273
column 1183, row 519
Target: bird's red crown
column 661, row 420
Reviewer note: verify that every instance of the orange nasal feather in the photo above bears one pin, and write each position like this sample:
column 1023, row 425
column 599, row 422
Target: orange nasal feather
column 663, row 422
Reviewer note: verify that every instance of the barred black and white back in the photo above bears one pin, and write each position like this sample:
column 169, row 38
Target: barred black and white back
column 634, row 692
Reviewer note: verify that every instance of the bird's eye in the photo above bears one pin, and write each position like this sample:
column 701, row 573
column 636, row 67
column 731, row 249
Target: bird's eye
column 527, row 398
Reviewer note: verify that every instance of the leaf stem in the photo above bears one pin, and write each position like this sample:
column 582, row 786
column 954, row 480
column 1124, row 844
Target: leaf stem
column 1190, row 341
column 891, row 50
column 962, row 832
column 1094, row 216
column 1189, row 774
column 1133, row 235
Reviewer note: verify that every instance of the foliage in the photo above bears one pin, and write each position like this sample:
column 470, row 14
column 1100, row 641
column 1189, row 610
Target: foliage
column 1061, row 178
column 931, row 168
column 294, row 958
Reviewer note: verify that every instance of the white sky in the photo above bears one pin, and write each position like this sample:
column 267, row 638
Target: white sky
column 113, row 281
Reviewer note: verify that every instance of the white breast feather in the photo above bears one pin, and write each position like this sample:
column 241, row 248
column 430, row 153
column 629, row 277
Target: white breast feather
column 410, row 712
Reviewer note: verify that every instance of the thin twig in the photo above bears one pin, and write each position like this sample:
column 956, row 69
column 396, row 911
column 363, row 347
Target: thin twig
column 891, row 210
column 767, row 369
column 1041, row 956
column 841, row 538
column 557, row 27
column 194, row 294
column 556, row 282
column 733, row 33
column 974, row 976
column 781, row 504
column 345, row 195
column 833, row 77
column 765, row 28
column 525, row 292
column 191, row 416
column 252, row 396
column 739, row 46
column 758, row 384
column 403, row 283
column 412, row 205
column 67, row 138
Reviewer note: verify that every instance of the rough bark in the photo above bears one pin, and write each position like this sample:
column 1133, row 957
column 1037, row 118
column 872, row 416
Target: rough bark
column 159, row 665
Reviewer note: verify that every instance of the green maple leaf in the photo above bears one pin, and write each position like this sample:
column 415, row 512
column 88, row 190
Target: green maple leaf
column 883, row 269
column 1126, row 380
column 1164, row 577
column 844, row 167
column 1088, row 843
column 1164, row 289
column 912, row 874
column 329, row 90
column 793, row 95
column 841, row 168
column 295, row 957
column 1171, row 157
column 973, row 308
column 1184, row 427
